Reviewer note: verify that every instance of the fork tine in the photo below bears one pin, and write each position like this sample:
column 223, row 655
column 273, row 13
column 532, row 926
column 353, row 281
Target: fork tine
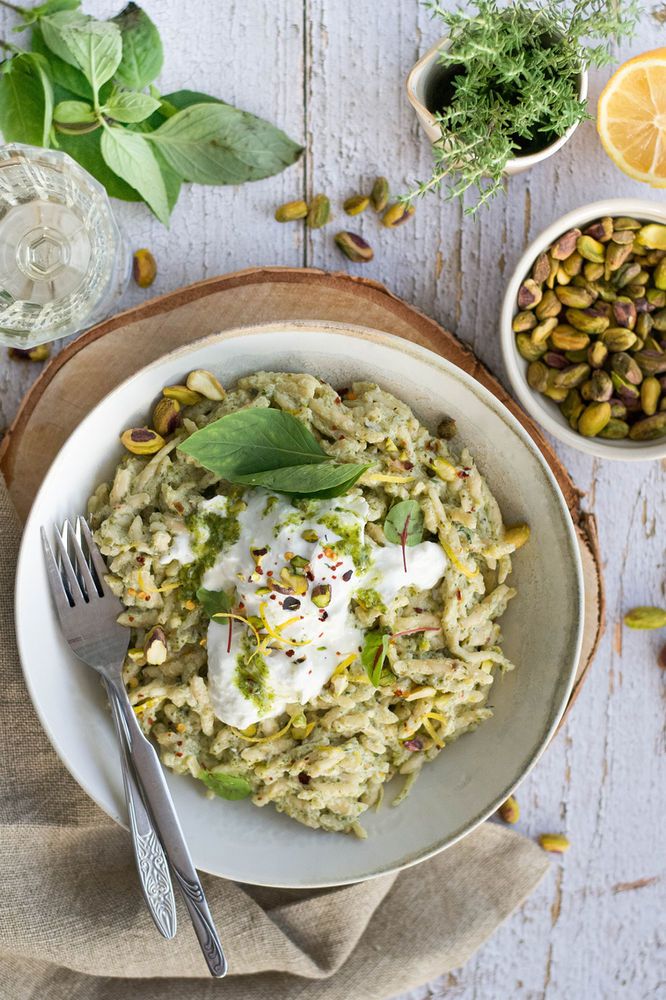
column 99, row 565
column 68, row 570
column 60, row 595
column 83, row 569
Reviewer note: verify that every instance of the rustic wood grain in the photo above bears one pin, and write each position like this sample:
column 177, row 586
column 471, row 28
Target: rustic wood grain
column 331, row 72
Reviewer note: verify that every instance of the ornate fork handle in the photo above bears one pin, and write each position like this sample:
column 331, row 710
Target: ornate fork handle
column 148, row 852
column 158, row 798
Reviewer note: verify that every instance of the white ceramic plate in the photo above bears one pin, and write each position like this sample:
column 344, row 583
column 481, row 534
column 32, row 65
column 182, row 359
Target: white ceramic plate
column 543, row 626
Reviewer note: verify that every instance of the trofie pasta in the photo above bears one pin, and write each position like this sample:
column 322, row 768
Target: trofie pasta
column 339, row 654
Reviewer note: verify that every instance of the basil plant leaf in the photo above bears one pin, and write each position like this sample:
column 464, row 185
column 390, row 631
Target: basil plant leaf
column 227, row 786
column 142, row 48
column 214, row 601
column 64, row 75
column 74, row 113
column 404, row 523
column 34, row 14
column 129, row 155
column 94, row 47
column 26, row 100
column 218, row 144
column 85, row 148
column 129, row 107
column 176, row 101
column 248, row 442
column 374, row 653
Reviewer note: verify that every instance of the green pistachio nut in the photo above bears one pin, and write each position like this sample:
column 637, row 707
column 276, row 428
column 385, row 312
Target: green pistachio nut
column 618, row 409
column 643, row 324
column 651, row 362
column 397, row 214
column 650, row 395
column 614, row 430
column 624, row 365
column 624, row 222
column 587, row 322
column 626, row 274
column 646, row 617
column 524, row 321
column 576, row 357
column 319, row 212
column 549, row 306
column 565, row 338
column 593, row 419
column 354, row 247
column 597, row 354
column 578, row 298
column 601, row 386
column 542, row 332
column 565, row 245
column 659, row 275
column 652, row 236
column 572, row 406
column 379, row 196
column 591, row 249
column 572, row 376
column 623, row 236
column 291, row 211
column 601, row 230
column 616, row 255
column 528, row 350
column 593, row 271
column 624, row 312
column 573, row 264
column 659, row 321
column 617, row 338
column 537, row 376
column 650, row 428
column 356, row 204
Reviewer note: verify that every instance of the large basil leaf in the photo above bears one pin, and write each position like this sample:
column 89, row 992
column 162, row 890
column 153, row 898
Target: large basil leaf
column 86, row 150
column 66, row 76
column 130, row 107
column 129, row 155
column 270, row 448
column 227, row 786
column 217, row 144
column 94, row 47
column 26, row 100
column 142, row 48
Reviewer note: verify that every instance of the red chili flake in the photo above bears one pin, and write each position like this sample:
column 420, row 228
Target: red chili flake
column 179, row 507
column 269, row 572
column 462, row 474
column 398, row 693
column 323, row 616
column 241, row 606
column 141, row 560
column 151, row 722
column 419, row 611
column 320, row 556
column 310, row 575
column 130, row 618
column 178, row 753
column 413, row 744
column 273, row 597
column 342, row 438
column 459, row 595
column 408, row 466
column 304, row 778
column 333, row 577
column 348, row 575
column 146, row 597
column 290, row 652
column 337, row 400
column 179, row 743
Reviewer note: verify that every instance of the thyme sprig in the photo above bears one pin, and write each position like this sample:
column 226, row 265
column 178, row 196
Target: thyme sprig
column 512, row 85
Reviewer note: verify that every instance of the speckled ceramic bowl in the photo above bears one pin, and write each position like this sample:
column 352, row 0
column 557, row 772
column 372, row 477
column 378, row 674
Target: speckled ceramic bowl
column 542, row 627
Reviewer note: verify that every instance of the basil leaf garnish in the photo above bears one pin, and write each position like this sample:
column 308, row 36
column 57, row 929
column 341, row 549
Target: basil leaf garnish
column 404, row 526
column 374, row 653
column 270, row 448
column 227, row 786
column 214, row 601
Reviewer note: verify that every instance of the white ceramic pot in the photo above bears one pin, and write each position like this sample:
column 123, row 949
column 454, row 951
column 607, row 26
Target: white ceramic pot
column 544, row 410
column 421, row 78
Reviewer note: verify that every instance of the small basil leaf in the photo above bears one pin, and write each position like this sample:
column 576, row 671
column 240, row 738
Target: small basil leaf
column 252, row 441
column 374, row 653
column 53, row 28
column 74, row 113
column 213, row 143
column 66, row 76
column 129, row 107
column 129, row 155
column 26, row 100
column 142, row 48
column 214, row 601
column 94, row 47
column 404, row 523
column 44, row 9
column 227, row 786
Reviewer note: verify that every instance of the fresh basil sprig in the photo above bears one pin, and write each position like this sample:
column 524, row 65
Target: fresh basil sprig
column 404, row 526
column 227, row 786
column 139, row 146
column 270, row 448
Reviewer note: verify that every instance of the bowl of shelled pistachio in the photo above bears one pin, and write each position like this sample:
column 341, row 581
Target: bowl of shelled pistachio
column 584, row 329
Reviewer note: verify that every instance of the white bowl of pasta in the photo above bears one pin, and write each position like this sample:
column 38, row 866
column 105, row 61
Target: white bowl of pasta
column 378, row 679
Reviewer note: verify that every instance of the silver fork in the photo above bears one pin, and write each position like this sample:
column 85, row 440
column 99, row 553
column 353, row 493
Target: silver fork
column 88, row 611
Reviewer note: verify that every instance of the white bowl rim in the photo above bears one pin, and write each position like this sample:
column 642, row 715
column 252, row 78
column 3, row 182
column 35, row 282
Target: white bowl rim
column 428, row 356
column 532, row 401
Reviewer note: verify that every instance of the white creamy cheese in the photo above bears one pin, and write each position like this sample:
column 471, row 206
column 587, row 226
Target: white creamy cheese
column 309, row 641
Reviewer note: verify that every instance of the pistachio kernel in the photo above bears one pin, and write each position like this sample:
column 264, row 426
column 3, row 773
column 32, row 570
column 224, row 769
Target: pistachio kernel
column 397, row 214
column 291, row 211
column 354, row 247
column 205, row 383
column 319, row 212
column 565, row 245
column 144, row 268
column 356, row 204
column 142, row 441
column 155, row 645
column 321, row 595
column 379, row 195
column 645, row 617
column 555, row 843
column 510, row 810
column 182, row 395
column 39, row 353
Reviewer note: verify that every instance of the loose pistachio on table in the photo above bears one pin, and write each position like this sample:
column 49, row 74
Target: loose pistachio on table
column 591, row 323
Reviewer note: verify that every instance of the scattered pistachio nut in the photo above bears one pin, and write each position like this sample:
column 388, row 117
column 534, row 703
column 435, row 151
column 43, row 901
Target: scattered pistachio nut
column 291, row 211
column 319, row 212
column 144, row 268
column 379, row 195
column 447, row 428
column 397, row 214
column 142, row 441
column 356, row 204
column 354, row 247
column 155, row 645
column 39, row 353
column 182, row 395
column 205, row 383
column 646, row 617
column 650, row 428
column 510, row 810
column 554, row 843
column 321, row 595
column 593, row 419
column 167, row 416
column 615, row 430
column 650, row 395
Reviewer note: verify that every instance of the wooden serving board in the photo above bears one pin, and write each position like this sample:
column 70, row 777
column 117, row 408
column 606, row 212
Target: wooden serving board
column 87, row 369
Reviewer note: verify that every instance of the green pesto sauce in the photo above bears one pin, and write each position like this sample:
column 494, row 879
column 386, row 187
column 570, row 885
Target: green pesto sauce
column 251, row 678
column 350, row 543
column 370, row 599
column 211, row 533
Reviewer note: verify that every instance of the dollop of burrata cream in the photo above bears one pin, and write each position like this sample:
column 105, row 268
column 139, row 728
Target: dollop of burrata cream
column 293, row 571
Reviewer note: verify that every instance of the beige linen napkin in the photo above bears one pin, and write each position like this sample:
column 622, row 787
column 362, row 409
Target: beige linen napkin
column 73, row 925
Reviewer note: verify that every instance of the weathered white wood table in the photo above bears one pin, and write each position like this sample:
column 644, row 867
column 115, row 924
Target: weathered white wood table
column 331, row 73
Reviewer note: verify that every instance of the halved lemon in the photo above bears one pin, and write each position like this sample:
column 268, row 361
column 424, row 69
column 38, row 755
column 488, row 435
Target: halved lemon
column 631, row 118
